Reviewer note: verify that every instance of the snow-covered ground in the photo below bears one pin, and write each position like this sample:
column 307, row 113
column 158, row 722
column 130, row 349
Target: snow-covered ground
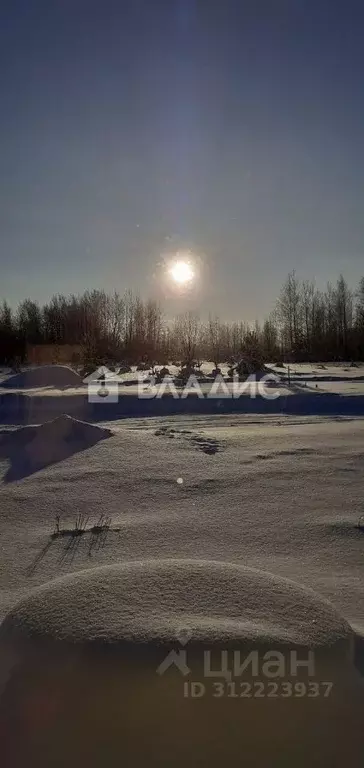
column 339, row 378
column 282, row 494
column 221, row 530
column 349, row 387
column 321, row 370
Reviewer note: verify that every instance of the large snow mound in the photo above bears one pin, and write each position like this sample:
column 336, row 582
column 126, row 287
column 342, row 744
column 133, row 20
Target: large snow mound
column 56, row 376
column 157, row 602
column 86, row 678
column 32, row 448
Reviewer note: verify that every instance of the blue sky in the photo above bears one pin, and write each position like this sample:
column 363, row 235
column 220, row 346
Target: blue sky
column 134, row 128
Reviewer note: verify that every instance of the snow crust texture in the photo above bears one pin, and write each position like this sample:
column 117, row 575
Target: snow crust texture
column 154, row 601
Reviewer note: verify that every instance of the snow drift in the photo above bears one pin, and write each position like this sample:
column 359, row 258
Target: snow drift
column 150, row 602
column 56, row 376
column 30, row 449
column 86, row 649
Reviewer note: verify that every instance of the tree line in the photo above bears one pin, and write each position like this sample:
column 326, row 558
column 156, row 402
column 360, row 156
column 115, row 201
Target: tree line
column 306, row 324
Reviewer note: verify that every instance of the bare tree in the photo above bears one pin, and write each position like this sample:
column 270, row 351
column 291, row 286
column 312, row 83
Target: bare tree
column 215, row 341
column 289, row 312
column 344, row 314
column 187, row 331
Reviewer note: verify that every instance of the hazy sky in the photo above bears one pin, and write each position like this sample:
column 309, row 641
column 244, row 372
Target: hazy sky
column 132, row 127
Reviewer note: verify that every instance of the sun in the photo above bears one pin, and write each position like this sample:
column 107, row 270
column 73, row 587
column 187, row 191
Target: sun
column 181, row 272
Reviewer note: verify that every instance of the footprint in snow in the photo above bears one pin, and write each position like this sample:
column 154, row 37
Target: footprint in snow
column 207, row 445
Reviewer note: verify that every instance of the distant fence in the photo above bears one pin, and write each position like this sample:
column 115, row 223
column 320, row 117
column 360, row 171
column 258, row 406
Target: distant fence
column 46, row 354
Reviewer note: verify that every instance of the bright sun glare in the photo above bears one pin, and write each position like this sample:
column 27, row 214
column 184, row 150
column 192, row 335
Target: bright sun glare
column 181, row 272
